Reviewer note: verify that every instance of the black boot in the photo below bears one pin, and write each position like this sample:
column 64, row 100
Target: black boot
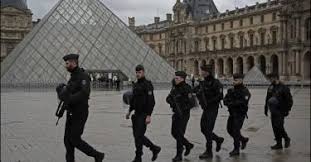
column 137, row 159
column 206, row 155
column 234, row 152
column 287, row 142
column 177, row 158
column 277, row 146
column 99, row 157
column 155, row 151
column 189, row 147
column 243, row 143
column 219, row 143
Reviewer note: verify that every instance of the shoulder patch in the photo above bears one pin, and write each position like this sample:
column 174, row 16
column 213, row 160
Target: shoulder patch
column 83, row 82
column 149, row 93
column 246, row 97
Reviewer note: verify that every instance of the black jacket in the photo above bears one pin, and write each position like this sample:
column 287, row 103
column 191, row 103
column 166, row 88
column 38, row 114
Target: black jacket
column 209, row 92
column 143, row 98
column 283, row 95
column 77, row 91
column 180, row 97
column 237, row 100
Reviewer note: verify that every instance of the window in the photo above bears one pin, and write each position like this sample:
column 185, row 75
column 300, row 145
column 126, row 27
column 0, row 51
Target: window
column 241, row 22
column 160, row 36
column 206, row 44
column 214, row 44
column 214, row 27
column 251, row 21
column 10, row 47
column 160, row 49
column 273, row 16
column 222, row 26
column 251, row 39
column 196, row 46
column 196, row 30
column 274, row 40
column 222, row 43
column 262, row 18
column 231, row 42
column 292, row 31
column 206, row 29
column 241, row 41
column 308, row 28
column 262, row 38
column 151, row 37
column 231, row 24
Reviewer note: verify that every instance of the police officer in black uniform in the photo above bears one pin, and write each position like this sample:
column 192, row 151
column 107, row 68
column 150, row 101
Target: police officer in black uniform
column 143, row 103
column 180, row 100
column 279, row 101
column 237, row 100
column 76, row 95
column 209, row 93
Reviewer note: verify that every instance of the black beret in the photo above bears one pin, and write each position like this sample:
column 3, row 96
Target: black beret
column 238, row 76
column 181, row 74
column 71, row 57
column 208, row 68
column 139, row 68
column 273, row 75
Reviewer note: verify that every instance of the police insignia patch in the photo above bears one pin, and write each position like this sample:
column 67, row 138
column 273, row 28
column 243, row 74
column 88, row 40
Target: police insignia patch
column 83, row 82
column 246, row 97
column 149, row 92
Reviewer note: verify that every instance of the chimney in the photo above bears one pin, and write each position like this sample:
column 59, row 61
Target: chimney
column 156, row 20
column 169, row 17
column 131, row 22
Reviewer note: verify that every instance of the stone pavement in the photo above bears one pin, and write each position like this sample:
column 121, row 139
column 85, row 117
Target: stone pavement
column 29, row 134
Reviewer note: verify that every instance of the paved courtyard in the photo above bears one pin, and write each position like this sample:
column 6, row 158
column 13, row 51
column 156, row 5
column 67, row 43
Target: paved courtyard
column 29, row 134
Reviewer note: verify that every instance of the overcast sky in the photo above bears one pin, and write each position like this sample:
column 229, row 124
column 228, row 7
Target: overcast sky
column 143, row 10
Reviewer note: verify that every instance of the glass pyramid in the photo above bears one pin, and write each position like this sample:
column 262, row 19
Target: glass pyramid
column 255, row 76
column 86, row 27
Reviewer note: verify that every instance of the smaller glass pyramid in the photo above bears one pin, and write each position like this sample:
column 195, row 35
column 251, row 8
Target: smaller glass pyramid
column 255, row 76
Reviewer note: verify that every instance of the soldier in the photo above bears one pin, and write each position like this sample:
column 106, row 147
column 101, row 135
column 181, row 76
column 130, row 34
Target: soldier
column 279, row 101
column 180, row 100
column 76, row 95
column 143, row 103
column 210, row 93
column 237, row 100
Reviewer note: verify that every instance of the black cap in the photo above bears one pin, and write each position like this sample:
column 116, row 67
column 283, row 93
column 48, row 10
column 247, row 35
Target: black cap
column 181, row 74
column 238, row 76
column 139, row 68
column 273, row 76
column 208, row 68
column 71, row 57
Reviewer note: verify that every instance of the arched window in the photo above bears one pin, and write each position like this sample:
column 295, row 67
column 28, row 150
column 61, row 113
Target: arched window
column 214, row 43
column 196, row 46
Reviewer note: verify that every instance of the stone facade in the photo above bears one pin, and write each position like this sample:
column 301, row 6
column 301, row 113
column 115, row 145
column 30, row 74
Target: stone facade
column 275, row 36
column 16, row 22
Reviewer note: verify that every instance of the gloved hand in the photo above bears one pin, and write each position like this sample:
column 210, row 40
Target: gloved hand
column 62, row 92
column 266, row 113
column 60, row 87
